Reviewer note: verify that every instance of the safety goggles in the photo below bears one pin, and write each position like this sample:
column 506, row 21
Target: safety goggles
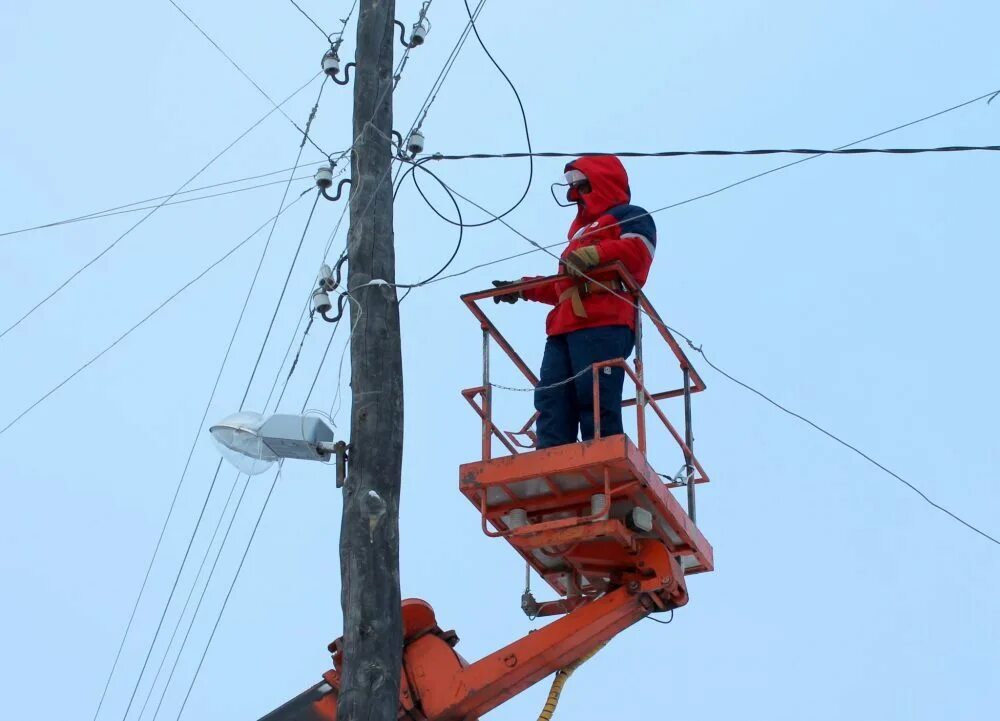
column 574, row 178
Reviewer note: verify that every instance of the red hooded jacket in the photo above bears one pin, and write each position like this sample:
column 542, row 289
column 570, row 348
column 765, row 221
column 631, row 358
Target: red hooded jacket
column 619, row 231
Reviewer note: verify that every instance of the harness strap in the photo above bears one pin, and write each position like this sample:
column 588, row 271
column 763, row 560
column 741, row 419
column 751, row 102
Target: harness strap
column 578, row 291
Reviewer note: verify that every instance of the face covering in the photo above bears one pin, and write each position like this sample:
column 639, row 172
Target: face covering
column 575, row 180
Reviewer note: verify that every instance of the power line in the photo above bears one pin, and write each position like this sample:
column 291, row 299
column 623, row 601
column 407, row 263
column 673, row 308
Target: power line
column 249, row 384
column 524, row 120
column 98, row 214
column 135, row 327
column 126, row 211
column 445, row 71
column 714, row 153
column 343, row 27
column 187, row 601
column 187, row 463
column 813, row 157
column 309, row 18
column 173, row 589
column 180, row 482
column 397, row 74
column 176, row 493
column 624, row 298
column 232, row 585
column 729, row 186
column 247, row 76
column 281, row 297
column 144, row 218
column 458, row 245
column 309, row 315
column 204, row 589
column 839, row 440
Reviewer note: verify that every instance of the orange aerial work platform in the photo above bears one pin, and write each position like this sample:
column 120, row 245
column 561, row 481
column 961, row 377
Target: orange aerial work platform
column 593, row 519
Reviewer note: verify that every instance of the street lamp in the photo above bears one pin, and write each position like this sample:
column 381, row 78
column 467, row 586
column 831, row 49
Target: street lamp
column 253, row 443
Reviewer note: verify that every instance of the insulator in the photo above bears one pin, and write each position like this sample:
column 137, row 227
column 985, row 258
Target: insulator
column 416, row 142
column 419, row 33
column 321, row 301
column 324, row 176
column 326, row 278
column 331, row 63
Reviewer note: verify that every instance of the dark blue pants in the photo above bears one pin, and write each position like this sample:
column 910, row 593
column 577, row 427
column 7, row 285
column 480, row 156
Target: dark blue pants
column 566, row 407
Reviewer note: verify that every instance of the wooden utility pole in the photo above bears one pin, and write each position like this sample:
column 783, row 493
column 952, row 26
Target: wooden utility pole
column 369, row 532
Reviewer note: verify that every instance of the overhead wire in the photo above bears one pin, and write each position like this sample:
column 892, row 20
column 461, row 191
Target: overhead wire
column 398, row 73
column 425, row 106
column 701, row 352
column 690, row 343
column 117, row 210
column 281, row 297
column 281, row 207
column 241, row 406
column 293, row 366
column 246, row 75
column 712, row 153
column 445, row 71
column 218, row 467
column 187, row 601
column 309, row 18
column 266, row 500
column 135, row 327
column 458, row 244
column 340, row 368
column 747, row 179
column 471, row 25
column 146, row 217
column 214, row 479
column 306, row 313
column 225, row 601
column 335, row 44
column 312, row 211
column 173, row 589
column 187, row 464
column 107, row 212
column 527, row 135
column 210, row 196
column 204, row 590
column 218, row 619
column 524, row 120
column 806, row 159
column 839, row 440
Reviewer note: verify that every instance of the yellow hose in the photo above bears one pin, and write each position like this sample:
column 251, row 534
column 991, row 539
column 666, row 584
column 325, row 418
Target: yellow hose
column 562, row 675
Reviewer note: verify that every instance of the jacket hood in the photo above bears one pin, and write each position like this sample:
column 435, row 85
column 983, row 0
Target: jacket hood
column 608, row 188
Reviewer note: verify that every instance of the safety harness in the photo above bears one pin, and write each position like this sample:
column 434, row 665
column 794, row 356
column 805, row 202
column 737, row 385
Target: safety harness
column 578, row 291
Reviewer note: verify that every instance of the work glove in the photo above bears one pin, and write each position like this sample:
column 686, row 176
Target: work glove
column 506, row 297
column 579, row 261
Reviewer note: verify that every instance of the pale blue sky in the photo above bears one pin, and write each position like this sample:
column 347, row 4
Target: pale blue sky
column 858, row 290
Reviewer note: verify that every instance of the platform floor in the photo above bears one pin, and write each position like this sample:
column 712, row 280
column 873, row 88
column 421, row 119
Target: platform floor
column 557, row 483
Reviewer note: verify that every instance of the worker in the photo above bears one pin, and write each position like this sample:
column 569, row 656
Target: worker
column 594, row 317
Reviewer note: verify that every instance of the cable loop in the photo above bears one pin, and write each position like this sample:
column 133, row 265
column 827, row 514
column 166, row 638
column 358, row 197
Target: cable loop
column 340, row 190
column 347, row 74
